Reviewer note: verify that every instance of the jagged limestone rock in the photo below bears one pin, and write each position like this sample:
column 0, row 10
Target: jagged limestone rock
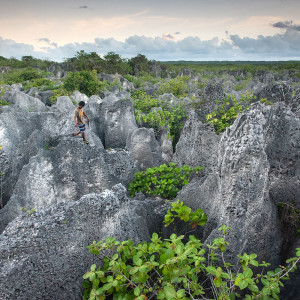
column 198, row 145
column 258, row 150
column 144, row 148
column 44, row 255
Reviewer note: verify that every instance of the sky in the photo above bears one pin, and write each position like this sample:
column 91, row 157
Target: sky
column 160, row 29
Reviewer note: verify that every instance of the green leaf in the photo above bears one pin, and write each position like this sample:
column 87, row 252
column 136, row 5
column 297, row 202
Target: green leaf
column 170, row 292
column 137, row 291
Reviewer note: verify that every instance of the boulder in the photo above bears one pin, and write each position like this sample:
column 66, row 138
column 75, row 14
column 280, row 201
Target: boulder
column 258, row 150
column 144, row 148
column 64, row 104
column 49, row 245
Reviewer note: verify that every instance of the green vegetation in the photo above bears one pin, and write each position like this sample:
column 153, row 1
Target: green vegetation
column 228, row 110
column 177, row 86
column 171, row 269
column 165, row 181
column 165, row 115
column 2, row 92
column 84, row 81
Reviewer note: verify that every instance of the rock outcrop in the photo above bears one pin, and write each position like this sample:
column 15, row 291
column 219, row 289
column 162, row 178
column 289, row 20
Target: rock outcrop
column 260, row 149
column 198, row 145
column 44, row 255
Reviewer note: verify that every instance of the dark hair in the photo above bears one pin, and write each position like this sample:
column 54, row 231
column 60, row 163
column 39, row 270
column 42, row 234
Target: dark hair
column 81, row 103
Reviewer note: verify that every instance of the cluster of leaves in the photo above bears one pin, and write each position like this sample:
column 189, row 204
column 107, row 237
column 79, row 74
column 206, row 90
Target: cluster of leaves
column 21, row 75
column 177, row 86
column 165, row 181
column 84, row 81
column 228, row 110
column 171, row 269
column 158, row 114
column 42, row 84
column 2, row 92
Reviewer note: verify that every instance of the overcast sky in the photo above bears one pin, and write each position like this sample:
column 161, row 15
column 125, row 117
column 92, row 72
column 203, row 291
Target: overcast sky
column 160, row 29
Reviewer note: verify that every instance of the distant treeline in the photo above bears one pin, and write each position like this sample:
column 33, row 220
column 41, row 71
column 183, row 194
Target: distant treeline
column 140, row 65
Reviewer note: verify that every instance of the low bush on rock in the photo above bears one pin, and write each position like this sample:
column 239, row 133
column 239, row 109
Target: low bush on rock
column 159, row 114
column 170, row 269
column 228, row 110
column 165, row 181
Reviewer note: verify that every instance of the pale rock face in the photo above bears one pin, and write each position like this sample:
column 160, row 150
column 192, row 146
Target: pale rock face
column 144, row 148
column 198, row 145
column 116, row 121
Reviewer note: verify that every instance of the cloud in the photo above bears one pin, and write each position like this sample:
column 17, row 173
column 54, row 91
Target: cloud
column 289, row 25
column 177, row 32
column 83, row 7
column 9, row 48
column 284, row 46
column 168, row 36
column 48, row 42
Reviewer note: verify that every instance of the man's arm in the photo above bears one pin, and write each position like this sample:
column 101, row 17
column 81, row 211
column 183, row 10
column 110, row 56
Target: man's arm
column 86, row 116
column 75, row 120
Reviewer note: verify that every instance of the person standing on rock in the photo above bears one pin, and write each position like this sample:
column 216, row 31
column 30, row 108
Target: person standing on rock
column 79, row 120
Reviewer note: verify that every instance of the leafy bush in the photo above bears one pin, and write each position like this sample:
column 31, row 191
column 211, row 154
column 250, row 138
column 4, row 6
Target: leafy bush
column 143, row 102
column 21, row 75
column 60, row 91
column 83, row 81
column 43, row 84
column 171, row 269
column 165, row 181
column 177, row 86
column 227, row 112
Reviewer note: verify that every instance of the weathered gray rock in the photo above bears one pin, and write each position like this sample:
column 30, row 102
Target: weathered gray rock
column 260, row 148
column 120, row 164
column 63, row 171
column 24, row 101
column 44, row 255
column 213, row 92
column 144, row 148
column 45, row 97
column 276, row 92
column 198, row 145
column 116, row 120
column 64, row 104
column 77, row 97
column 165, row 140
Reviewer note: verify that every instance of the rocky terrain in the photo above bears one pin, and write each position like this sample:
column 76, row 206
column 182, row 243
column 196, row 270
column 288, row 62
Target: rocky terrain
column 59, row 195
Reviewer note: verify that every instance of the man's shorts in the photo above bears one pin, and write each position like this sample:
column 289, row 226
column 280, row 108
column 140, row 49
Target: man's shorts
column 81, row 128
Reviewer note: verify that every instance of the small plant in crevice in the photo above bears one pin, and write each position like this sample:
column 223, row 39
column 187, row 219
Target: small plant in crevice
column 28, row 211
column 165, row 181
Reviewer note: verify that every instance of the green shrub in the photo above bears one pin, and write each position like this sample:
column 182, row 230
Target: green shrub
column 2, row 91
column 58, row 92
column 83, row 81
column 170, row 269
column 165, row 181
column 228, row 110
column 21, row 75
column 177, row 86
column 42, row 84
column 143, row 102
